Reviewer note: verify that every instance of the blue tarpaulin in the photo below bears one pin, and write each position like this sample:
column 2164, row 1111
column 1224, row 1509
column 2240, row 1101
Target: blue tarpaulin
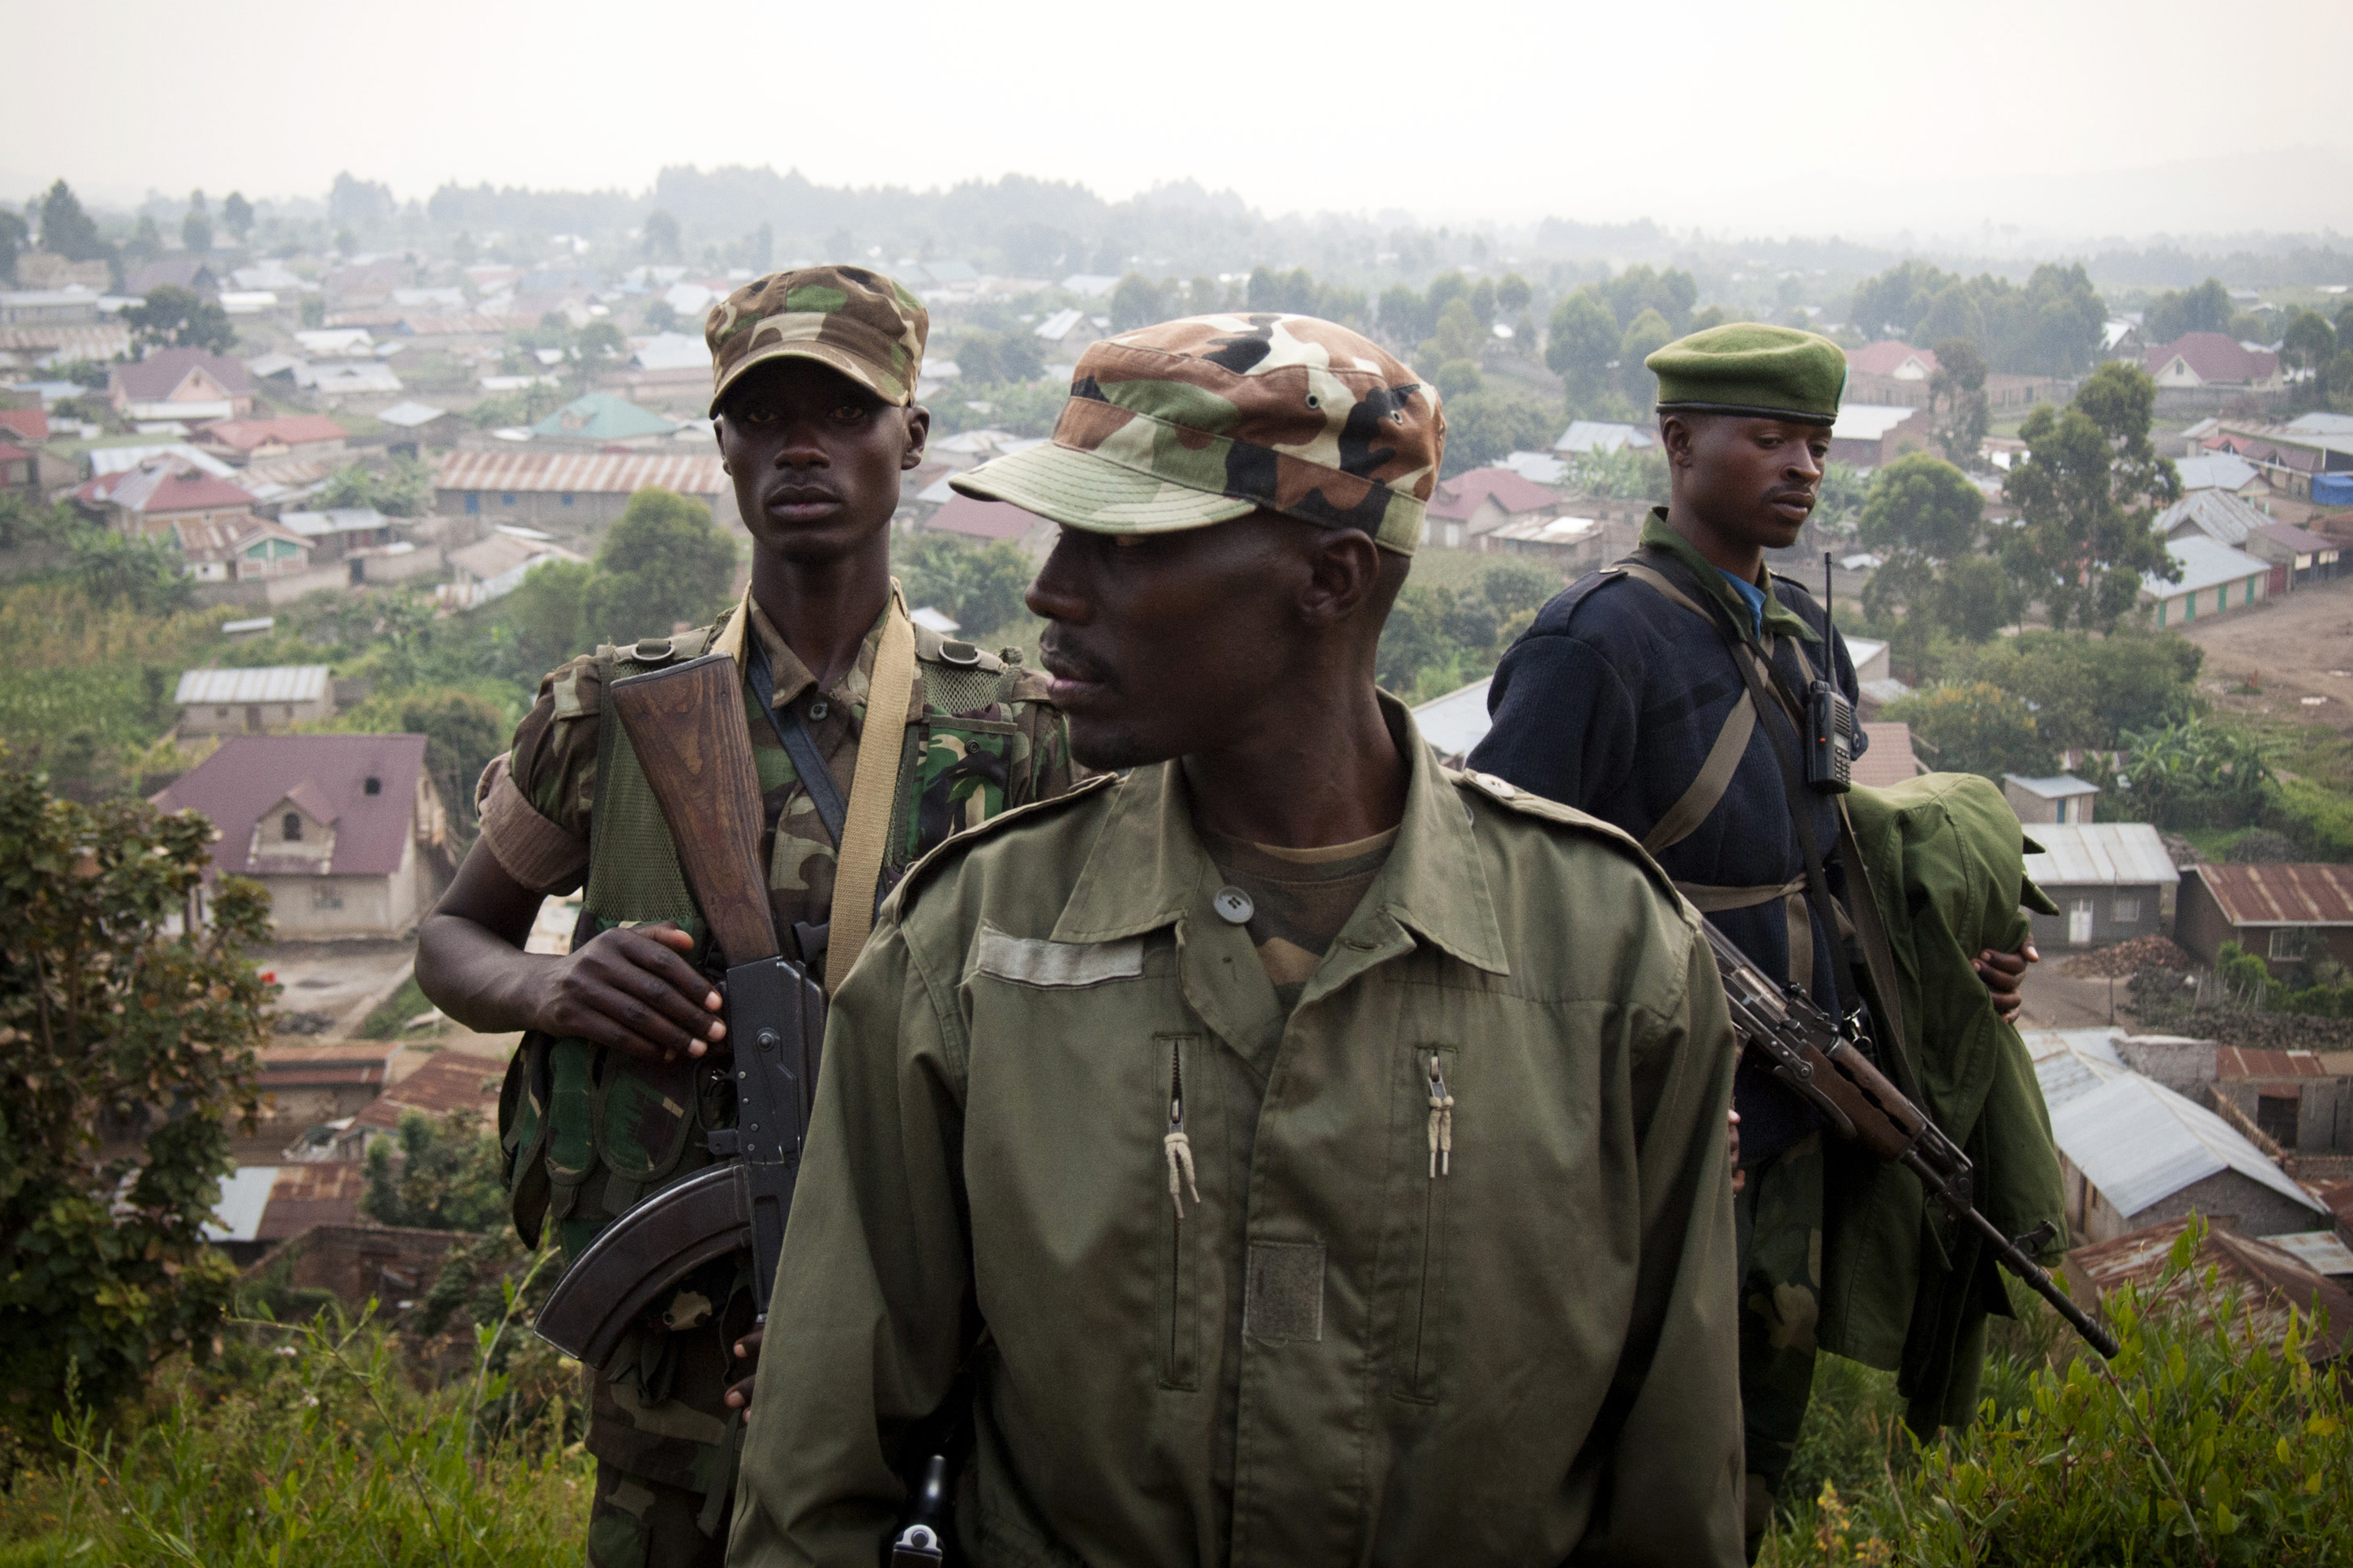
column 2332, row 490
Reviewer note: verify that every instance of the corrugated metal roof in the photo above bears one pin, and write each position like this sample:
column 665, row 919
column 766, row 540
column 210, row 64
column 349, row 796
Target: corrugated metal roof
column 593, row 472
column 2260, row 1279
column 2244, row 1061
column 2059, row 787
column 244, row 1195
column 450, row 1081
column 2281, row 894
column 2318, row 1250
column 1456, row 722
column 2072, row 1062
column 2216, row 513
column 270, row 683
column 2139, row 1142
column 2107, row 854
column 2204, row 563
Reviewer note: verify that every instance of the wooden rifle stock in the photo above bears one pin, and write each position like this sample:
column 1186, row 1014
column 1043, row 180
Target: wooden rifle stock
column 686, row 723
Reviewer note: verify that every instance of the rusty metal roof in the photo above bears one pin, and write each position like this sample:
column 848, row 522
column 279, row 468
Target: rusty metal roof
column 2242, row 1061
column 328, row 1193
column 315, row 1066
column 450, row 1081
column 2272, row 1280
column 2281, row 895
column 595, row 473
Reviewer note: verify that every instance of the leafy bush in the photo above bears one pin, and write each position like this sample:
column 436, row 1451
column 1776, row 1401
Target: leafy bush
column 1976, row 727
column 402, row 489
column 444, row 1175
column 2088, row 691
column 2195, row 773
column 2201, row 1443
column 664, row 561
column 130, row 1047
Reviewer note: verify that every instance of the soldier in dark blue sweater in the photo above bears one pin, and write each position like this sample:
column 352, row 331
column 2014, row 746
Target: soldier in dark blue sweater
column 1623, row 699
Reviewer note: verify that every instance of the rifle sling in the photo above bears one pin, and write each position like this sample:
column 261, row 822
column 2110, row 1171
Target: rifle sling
column 792, row 730
column 873, row 791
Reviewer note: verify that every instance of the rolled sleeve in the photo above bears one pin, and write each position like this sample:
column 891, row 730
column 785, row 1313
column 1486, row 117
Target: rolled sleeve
column 536, row 852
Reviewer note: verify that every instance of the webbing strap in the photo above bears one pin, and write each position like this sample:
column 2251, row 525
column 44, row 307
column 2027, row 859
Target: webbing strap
column 873, row 791
column 792, row 731
column 1682, row 818
column 1709, row 900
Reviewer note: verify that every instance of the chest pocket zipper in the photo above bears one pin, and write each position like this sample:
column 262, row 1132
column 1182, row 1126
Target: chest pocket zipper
column 1426, row 1309
column 1179, row 1314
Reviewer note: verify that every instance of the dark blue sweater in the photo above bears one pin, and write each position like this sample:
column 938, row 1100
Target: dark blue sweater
column 1608, row 702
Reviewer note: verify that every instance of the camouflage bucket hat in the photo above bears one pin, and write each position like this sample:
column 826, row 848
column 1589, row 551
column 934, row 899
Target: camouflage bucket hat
column 1202, row 420
column 857, row 321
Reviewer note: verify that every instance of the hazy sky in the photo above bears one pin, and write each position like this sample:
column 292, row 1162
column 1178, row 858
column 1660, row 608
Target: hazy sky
column 1750, row 118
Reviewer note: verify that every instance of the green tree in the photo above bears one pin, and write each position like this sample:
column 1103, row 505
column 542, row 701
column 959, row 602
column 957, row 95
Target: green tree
column 403, row 488
column 1404, row 320
column 145, row 573
column 1459, row 335
column 1000, row 358
column 1974, row 727
column 1927, row 519
column 1958, row 392
column 2086, row 491
column 462, row 733
column 2309, row 343
column 1457, row 378
column 12, row 233
column 1649, row 333
column 1136, row 302
column 664, row 561
column 549, row 611
column 2205, row 308
column 1581, row 343
column 661, row 317
column 436, row 1174
column 67, row 230
column 130, row 1049
column 196, row 225
column 173, row 316
column 660, row 236
column 977, row 586
column 2088, row 691
column 1483, row 427
column 146, row 241
column 1513, row 294
column 236, row 216
column 1514, row 589
column 1671, row 294
column 1954, row 313
column 2197, row 773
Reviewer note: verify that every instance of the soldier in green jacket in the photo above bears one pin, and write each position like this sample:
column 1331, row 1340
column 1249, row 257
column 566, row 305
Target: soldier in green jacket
column 1303, row 1153
column 620, row 1076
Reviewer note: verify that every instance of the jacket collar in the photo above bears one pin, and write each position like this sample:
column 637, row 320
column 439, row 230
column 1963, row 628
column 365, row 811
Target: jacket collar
column 1779, row 616
column 1148, row 869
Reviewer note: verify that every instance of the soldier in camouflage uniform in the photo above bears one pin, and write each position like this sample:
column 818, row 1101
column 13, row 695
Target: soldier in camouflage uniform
column 619, row 1078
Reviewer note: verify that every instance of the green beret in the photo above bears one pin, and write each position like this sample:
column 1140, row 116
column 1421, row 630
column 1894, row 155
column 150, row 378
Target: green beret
column 1748, row 367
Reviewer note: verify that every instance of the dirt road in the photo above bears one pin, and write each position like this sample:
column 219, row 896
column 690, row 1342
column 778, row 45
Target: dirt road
column 2297, row 646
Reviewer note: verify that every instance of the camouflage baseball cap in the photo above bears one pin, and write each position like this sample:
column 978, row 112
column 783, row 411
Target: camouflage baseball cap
column 858, row 322
column 1206, row 419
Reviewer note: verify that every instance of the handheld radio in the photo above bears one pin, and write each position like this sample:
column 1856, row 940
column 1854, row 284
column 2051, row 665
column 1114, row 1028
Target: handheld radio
column 1830, row 718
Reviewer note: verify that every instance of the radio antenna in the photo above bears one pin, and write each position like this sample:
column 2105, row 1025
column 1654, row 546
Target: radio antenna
column 1829, row 603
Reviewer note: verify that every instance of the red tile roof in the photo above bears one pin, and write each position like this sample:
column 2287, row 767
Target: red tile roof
column 2280, row 894
column 155, row 377
column 249, row 774
column 1890, row 760
column 13, row 454
column 245, row 435
column 1883, row 358
column 29, row 423
column 179, row 492
column 1463, row 495
column 2215, row 357
column 976, row 519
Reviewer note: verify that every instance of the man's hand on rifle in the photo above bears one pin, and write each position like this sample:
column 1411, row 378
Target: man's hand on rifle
column 632, row 990
column 747, row 1351
column 2003, row 973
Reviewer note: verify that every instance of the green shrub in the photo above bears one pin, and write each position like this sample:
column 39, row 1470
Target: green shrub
column 2201, row 1443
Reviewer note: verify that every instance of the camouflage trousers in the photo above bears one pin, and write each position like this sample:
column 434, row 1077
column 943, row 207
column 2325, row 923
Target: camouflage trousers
column 664, row 1441
column 1779, row 1220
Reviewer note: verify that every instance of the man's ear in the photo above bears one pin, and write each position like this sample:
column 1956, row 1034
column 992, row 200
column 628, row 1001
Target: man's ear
column 1344, row 566
column 1675, row 435
column 719, row 436
column 918, row 430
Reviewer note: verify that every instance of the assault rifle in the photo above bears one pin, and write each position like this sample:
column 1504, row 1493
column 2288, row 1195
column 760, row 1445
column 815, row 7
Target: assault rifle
column 686, row 725
column 1824, row 1064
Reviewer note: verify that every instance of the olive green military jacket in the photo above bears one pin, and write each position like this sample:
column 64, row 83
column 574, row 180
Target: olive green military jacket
column 1347, row 1347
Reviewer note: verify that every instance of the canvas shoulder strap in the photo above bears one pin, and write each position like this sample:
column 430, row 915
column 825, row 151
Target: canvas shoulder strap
column 1715, row 776
column 873, row 790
